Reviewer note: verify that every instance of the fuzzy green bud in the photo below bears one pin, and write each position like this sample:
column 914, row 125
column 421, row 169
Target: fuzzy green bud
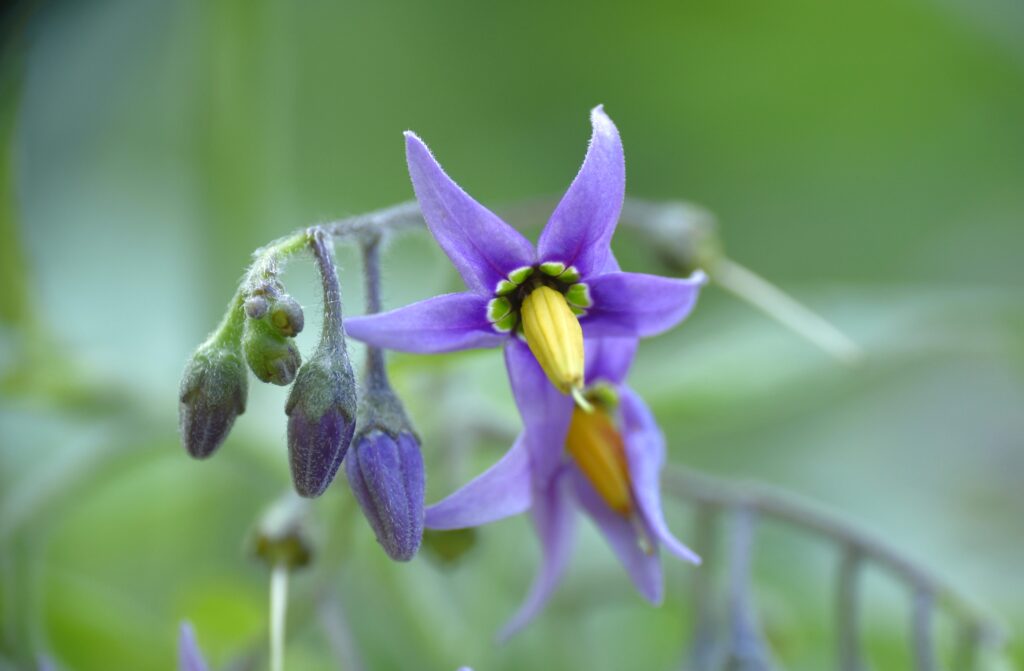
column 271, row 356
column 212, row 394
column 286, row 316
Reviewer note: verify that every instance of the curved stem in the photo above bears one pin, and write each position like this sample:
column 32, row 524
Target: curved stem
column 685, row 485
column 848, row 612
column 333, row 333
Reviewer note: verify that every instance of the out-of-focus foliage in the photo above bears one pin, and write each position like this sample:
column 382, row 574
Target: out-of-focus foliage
column 867, row 156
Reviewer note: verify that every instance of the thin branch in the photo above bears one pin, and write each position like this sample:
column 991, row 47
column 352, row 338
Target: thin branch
column 376, row 373
column 399, row 217
column 924, row 648
column 780, row 306
column 848, row 610
column 333, row 333
column 703, row 646
column 746, row 648
column 686, row 485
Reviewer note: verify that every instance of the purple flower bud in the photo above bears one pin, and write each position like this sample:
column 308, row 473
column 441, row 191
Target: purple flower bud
column 321, row 420
column 212, row 394
column 386, row 476
column 256, row 307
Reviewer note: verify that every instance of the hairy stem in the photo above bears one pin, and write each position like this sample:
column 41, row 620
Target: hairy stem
column 376, row 375
column 332, row 334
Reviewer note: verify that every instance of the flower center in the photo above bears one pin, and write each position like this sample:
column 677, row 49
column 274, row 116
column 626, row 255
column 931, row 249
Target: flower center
column 554, row 336
column 597, row 448
column 543, row 303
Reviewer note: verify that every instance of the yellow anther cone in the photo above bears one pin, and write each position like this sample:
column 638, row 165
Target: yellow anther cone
column 596, row 447
column 554, row 336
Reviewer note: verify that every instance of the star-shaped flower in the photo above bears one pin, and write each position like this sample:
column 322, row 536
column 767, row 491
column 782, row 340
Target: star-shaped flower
column 610, row 467
column 552, row 295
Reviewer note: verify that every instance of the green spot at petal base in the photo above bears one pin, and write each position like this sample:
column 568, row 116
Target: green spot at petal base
column 579, row 295
column 506, row 323
column 552, row 268
column 505, row 287
column 498, row 308
column 570, row 275
column 519, row 275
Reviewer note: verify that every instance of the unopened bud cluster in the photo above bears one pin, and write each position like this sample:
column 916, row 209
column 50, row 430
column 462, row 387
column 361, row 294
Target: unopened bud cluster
column 385, row 468
column 273, row 321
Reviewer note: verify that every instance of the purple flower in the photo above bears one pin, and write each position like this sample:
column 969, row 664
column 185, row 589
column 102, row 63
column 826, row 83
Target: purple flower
column 610, row 468
column 190, row 658
column 552, row 295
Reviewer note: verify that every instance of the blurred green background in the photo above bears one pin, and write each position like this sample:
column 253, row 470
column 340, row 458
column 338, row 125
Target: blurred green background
column 868, row 157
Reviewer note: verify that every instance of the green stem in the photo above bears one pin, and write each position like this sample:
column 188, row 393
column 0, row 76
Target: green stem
column 781, row 307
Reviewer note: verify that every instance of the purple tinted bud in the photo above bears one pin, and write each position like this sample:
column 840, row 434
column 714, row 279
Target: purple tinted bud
column 256, row 307
column 212, row 394
column 386, row 476
column 321, row 420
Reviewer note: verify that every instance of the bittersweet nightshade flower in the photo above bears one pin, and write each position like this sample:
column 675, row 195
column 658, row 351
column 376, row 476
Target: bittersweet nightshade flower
column 552, row 295
column 610, row 468
column 212, row 394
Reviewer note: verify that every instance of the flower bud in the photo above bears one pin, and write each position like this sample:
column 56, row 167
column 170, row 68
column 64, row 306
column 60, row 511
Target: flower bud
column 271, row 356
column 286, row 316
column 321, row 419
column 280, row 537
column 386, row 475
column 256, row 307
column 212, row 394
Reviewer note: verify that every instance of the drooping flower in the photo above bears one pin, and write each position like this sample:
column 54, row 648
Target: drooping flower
column 552, row 295
column 609, row 467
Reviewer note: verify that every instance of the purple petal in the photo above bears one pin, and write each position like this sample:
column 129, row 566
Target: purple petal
column 546, row 412
column 441, row 324
column 635, row 304
column 609, row 359
column 501, row 491
column 580, row 230
column 645, row 452
column 643, row 568
column 189, row 657
column 483, row 248
column 554, row 522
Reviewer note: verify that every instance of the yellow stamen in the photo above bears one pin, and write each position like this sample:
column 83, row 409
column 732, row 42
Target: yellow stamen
column 554, row 335
column 596, row 446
